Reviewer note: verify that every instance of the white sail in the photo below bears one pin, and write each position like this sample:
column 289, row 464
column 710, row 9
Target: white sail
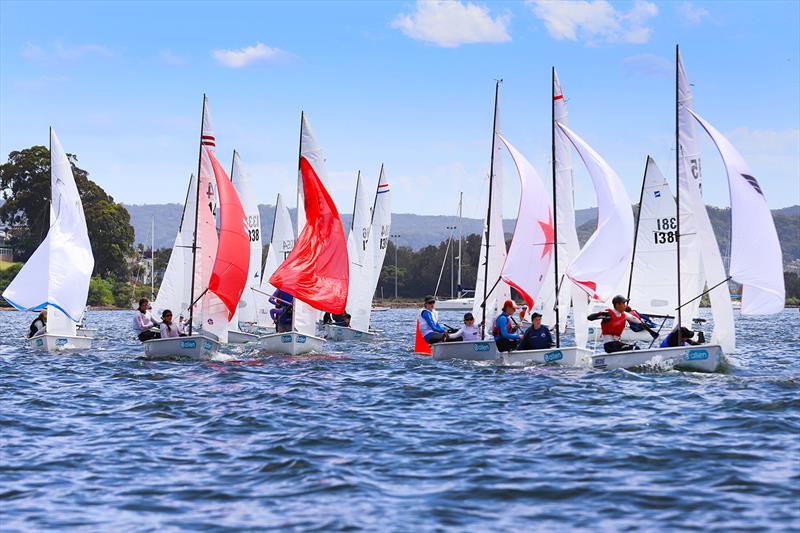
column 359, row 250
column 241, row 181
column 173, row 294
column 304, row 318
column 605, row 258
column 381, row 227
column 693, row 277
column 489, row 277
column 281, row 243
column 57, row 275
column 756, row 260
column 654, row 282
column 531, row 251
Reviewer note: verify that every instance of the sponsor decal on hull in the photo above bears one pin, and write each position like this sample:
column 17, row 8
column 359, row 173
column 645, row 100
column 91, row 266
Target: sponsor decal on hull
column 556, row 355
column 481, row 347
column 207, row 345
column 286, row 339
column 39, row 342
column 697, row 355
column 61, row 342
column 188, row 345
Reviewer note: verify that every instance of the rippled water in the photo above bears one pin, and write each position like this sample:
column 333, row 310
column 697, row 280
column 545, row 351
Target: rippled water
column 379, row 439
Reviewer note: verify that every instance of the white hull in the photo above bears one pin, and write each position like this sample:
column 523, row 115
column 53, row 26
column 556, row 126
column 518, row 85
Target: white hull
column 565, row 356
column 60, row 343
column 703, row 358
column 86, row 332
column 335, row 333
column 485, row 350
column 456, row 304
column 198, row 347
column 291, row 343
column 379, row 309
column 240, row 337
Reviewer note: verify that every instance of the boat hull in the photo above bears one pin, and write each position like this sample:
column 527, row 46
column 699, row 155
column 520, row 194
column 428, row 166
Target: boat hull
column 86, row 332
column 703, row 358
column 335, row 333
column 60, row 343
column 291, row 343
column 485, row 350
column 565, row 356
column 240, row 337
column 197, row 347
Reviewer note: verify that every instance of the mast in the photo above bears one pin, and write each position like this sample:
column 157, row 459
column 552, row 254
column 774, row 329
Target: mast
column 460, row 237
column 678, row 179
column 555, row 204
column 489, row 214
column 153, row 258
column 355, row 201
column 636, row 228
column 196, row 213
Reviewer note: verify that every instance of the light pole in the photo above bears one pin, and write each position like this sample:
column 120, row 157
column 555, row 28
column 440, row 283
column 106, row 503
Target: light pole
column 451, row 229
column 395, row 264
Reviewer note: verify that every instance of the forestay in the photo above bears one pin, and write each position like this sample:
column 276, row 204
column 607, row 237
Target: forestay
column 605, row 257
column 57, row 275
column 531, row 250
column 756, row 261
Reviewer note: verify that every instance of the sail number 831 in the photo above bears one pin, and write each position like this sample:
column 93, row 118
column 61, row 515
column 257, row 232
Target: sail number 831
column 667, row 230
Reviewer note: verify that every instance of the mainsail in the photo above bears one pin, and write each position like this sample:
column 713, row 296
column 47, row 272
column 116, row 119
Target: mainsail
column 359, row 251
column 756, row 260
column 531, row 249
column 381, row 225
column 241, row 181
column 316, row 271
column 57, row 275
column 605, row 257
column 281, row 243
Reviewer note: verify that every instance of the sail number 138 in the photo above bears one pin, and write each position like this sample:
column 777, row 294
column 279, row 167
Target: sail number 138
column 666, row 232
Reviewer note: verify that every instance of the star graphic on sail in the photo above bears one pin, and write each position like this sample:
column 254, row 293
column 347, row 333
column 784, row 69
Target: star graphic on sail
column 549, row 237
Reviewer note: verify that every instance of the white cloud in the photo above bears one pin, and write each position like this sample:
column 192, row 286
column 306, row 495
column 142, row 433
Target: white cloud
column 596, row 21
column 766, row 141
column 649, row 65
column 168, row 57
column 61, row 52
column 451, row 23
column 692, row 14
column 259, row 53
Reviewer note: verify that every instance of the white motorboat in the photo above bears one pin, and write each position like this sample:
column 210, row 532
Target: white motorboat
column 456, row 304
column 702, row 358
column 198, row 347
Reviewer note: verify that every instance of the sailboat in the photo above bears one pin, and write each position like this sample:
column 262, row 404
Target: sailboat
column 366, row 248
column 63, row 260
column 490, row 290
column 280, row 244
column 461, row 302
column 756, row 263
column 316, row 272
column 245, row 319
column 220, row 265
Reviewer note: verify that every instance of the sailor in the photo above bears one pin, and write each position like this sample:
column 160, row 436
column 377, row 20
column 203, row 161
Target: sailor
column 641, row 316
column 613, row 324
column 143, row 322
column 168, row 328
column 686, row 338
column 39, row 324
column 505, row 330
column 537, row 337
column 428, row 322
column 282, row 312
column 468, row 332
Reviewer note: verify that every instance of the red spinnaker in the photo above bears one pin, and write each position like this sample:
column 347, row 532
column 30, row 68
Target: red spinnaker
column 317, row 270
column 232, row 262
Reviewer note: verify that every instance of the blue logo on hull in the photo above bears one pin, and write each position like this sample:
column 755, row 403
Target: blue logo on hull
column 697, row 355
column 286, row 338
column 481, row 347
column 61, row 342
column 188, row 345
column 549, row 357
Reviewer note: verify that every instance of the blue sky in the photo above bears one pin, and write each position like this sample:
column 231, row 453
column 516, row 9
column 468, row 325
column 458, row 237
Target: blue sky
column 404, row 83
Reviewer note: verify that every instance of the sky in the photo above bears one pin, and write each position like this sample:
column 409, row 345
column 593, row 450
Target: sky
column 407, row 84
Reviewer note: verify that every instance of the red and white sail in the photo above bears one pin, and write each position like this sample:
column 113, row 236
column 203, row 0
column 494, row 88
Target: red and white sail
column 756, row 259
column 316, row 272
column 605, row 258
column 531, row 251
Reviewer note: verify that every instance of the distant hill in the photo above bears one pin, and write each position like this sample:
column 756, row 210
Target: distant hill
column 418, row 231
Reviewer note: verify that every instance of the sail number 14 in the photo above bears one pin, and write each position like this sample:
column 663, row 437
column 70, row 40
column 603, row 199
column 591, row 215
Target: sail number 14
column 666, row 232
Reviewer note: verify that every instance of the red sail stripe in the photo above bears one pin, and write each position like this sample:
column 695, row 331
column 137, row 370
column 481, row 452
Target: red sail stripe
column 559, row 97
column 317, row 270
column 232, row 262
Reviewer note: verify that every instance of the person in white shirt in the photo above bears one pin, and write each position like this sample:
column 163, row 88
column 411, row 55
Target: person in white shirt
column 468, row 332
column 168, row 328
column 143, row 322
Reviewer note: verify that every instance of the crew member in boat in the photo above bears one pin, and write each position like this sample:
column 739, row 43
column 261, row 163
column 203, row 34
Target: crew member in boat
column 168, row 328
column 506, row 330
column 641, row 316
column 468, row 332
column 143, row 322
column 613, row 324
column 428, row 322
column 39, row 324
column 686, row 338
column 537, row 337
column 281, row 314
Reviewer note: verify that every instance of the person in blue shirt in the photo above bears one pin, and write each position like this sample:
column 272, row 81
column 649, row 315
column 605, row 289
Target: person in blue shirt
column 282, row 312
column 428, row 321
column 505, row 330
column 686, row 338
column 538, row 336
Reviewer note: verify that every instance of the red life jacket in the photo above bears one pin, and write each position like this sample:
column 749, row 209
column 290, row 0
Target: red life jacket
column 614, row 325
column 496, row 330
